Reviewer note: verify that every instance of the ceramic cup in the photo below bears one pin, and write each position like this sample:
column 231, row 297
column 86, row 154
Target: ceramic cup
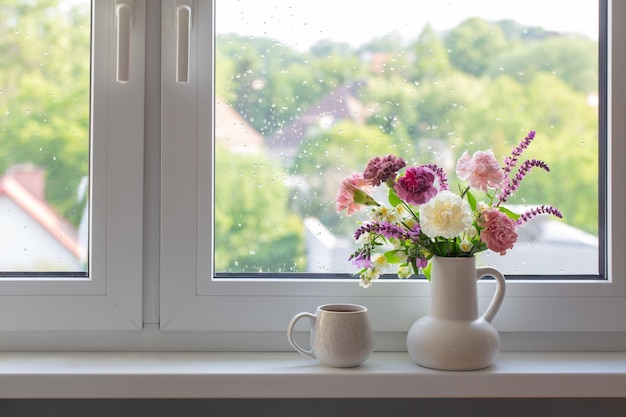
column 341, row 335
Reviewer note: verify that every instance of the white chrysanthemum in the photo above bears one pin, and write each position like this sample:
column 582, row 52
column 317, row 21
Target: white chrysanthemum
column 446, row 215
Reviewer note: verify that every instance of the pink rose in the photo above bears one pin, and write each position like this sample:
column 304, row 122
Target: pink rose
column 353, row 193
column 481, row 171
column 416, row 185
column 499, row 231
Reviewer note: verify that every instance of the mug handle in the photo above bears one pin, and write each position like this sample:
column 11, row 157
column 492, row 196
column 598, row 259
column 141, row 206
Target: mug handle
column 290, row 328
column 498, row 296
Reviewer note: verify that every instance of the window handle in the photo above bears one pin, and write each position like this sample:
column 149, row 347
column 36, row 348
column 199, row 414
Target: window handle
column 183, row 36
column 123, row 23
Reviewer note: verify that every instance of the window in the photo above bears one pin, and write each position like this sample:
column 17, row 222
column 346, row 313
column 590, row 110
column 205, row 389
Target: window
column 301, row 102
column 107, row 294
column 193, row 296
column 45, row 137
column 151, row 237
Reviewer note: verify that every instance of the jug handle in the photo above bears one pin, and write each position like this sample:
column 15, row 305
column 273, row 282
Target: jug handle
column 498, row 296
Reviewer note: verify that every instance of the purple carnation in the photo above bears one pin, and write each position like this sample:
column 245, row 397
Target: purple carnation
column 383, row 169
column 416, row 185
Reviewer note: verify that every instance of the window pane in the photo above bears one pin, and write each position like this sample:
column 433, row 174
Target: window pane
column 307, row 93
column 44, row 132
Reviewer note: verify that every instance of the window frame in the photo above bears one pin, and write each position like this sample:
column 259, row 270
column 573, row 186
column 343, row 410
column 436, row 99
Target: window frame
column 110, row 297
column 191, row 300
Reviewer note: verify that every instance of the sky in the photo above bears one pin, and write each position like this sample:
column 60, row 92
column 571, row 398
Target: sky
column 301, row 23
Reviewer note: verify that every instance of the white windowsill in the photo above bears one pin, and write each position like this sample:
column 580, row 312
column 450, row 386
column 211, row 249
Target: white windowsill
column 289, row 375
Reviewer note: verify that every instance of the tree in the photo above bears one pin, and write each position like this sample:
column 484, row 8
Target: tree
column 254, row 230
column 44, row 105
column 473, row 45
column 572, row 58
column 431, row 57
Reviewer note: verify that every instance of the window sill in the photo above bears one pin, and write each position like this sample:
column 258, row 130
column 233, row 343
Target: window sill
column 289, row 375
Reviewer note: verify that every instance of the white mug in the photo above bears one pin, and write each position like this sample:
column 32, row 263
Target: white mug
column 341, row 335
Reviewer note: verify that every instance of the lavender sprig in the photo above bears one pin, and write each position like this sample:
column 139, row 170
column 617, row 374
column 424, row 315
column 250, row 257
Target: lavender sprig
column 511, row 162
column 388, row 230
column 441, row 176
column 537, row 211
column 511, row 186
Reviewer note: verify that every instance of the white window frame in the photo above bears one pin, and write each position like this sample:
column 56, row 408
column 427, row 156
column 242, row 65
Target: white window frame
column 191, row 300
column 110, row 298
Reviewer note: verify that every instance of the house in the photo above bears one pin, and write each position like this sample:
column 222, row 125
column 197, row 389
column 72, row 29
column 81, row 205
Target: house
column 33, row 236
column 340, row 104
column 233, row 131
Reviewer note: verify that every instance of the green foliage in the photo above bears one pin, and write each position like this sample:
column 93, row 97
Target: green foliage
column 270, row 84
column 570, row 58
column 474, row 43
column 432, row 60
column 254, row 228
column 44, row 96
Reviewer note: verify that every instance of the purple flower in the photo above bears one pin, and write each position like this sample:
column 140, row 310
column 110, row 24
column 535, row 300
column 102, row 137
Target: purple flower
column 421, row 263
column 441, row 176
column 539, row 210
column 514, row 184
column 388, row 230
column 416, row 185
column 362, row 260
column 383, row 169
column 511, row 162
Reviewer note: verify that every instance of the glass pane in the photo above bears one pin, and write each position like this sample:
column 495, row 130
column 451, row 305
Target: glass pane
column 44, row 132
column 306, row 93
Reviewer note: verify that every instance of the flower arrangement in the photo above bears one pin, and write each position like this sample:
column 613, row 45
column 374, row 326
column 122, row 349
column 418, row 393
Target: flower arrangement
column 425, row 219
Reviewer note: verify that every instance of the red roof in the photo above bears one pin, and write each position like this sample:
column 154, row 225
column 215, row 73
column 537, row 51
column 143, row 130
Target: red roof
column 42, row 213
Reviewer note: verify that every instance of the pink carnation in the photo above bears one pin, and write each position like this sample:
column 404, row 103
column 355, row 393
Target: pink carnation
column 499, row 231
column 481, row 171
column 353, row 192
column 416, row 185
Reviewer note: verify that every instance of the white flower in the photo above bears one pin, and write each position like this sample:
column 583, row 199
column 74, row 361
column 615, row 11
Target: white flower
column 365, row 238
column 466, row 246
column 383, row 214
column 446, row 215
column 404, row 272
column 471, row 231
column 368, row 276
column 403, row 213
column 379, row 261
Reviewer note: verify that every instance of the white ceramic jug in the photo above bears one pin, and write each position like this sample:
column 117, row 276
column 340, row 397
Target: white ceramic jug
column 452, row 336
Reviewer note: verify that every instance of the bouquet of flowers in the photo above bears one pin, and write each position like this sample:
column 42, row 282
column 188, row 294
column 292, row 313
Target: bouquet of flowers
column 425, row 219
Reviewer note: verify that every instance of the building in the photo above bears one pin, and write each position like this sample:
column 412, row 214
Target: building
column 33, row 236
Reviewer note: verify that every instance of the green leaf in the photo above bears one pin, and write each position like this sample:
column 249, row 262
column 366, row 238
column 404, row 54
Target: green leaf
column 362, row 198
column 471, row 200
column 394, row 200
column 392, row 256
column 509, row 213
column 428, row 270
